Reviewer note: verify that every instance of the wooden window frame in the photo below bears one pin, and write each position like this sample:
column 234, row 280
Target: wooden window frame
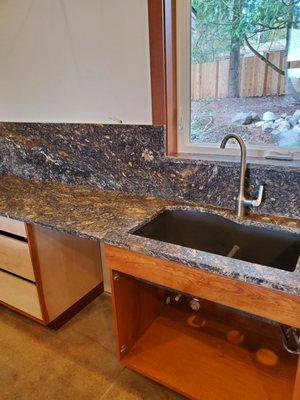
column 162, row 38
column 165, row 93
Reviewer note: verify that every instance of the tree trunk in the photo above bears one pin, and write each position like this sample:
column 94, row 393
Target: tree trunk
column 234, row 69
column 234, row 62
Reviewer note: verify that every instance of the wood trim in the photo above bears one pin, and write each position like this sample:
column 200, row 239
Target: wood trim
column 297, row 383
column 162, row 39
column 36, row 269
column 140, row 308
column 254, row 299
column 157, row 60
column 115, row 313
column 171, row 75
column 76, row 307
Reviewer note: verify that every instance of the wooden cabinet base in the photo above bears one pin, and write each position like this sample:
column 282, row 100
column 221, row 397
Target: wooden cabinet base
column 75, row 308
column 215, row 353
column 60, row 274
column 218, row 352
column 258, row 300
column 67, row 269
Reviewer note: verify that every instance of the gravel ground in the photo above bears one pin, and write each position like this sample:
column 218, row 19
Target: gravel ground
column 211, row 118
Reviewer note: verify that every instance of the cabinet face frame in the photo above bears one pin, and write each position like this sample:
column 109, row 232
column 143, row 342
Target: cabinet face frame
column 297, row 383
column 36, row 267
column 257, row 300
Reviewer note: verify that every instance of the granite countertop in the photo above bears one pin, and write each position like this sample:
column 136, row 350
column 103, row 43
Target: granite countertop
column 111, row 216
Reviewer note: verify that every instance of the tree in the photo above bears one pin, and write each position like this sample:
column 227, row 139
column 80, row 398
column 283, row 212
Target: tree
column 272, row 18
column 235, row 46
column 224, row 27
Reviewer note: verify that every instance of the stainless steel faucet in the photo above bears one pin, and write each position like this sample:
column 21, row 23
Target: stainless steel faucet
column 241, row 201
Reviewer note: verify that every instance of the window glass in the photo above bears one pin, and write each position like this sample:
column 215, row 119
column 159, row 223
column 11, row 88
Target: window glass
column 245, row 71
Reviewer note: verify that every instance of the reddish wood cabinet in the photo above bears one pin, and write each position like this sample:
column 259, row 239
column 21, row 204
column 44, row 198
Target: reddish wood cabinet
column 218, row 352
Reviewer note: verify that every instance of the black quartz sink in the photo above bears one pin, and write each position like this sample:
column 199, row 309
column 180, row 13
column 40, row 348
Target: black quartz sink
column 218, row 235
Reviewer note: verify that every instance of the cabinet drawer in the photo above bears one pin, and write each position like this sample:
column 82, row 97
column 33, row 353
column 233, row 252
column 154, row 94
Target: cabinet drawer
column 20, row 294
column 12, row 226
column 15, row 257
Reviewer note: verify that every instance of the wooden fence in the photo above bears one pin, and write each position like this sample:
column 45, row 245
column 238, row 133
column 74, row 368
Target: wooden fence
column 210, row 80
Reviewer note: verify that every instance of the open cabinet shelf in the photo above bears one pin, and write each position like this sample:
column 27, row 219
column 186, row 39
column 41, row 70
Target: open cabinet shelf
column 216, row 353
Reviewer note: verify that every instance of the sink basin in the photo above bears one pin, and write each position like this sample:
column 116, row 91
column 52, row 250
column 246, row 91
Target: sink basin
column 218, row 235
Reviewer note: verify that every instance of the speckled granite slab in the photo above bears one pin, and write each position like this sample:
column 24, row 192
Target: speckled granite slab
column 111, row 216
column 131, row 159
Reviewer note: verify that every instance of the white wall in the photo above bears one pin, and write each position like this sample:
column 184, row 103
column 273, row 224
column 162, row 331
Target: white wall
column 74, row 61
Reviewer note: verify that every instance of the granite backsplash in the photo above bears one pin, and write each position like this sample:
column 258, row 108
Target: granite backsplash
column 131, row 158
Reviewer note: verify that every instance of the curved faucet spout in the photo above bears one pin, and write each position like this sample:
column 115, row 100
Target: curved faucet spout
column 237, row 138
column 241, row 201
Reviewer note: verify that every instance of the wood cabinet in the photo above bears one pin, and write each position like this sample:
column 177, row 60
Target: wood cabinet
column 45, row 274
column 218, row 352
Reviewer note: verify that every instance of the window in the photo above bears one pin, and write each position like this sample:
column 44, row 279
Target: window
column 238, row 69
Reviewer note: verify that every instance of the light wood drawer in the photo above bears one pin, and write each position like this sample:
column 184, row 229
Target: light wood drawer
column 12, row 226
column 20, row 294
column 15, row 257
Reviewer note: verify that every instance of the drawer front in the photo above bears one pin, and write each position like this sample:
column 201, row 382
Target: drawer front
column 15, row 257
column 13, row 226
column 20, row 294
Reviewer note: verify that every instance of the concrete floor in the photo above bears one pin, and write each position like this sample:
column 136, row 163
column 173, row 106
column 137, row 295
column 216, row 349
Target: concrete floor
column 76, row 362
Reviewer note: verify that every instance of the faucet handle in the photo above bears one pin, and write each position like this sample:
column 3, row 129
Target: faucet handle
column 257, row 202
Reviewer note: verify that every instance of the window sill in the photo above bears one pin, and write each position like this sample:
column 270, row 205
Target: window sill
column 230, row 160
